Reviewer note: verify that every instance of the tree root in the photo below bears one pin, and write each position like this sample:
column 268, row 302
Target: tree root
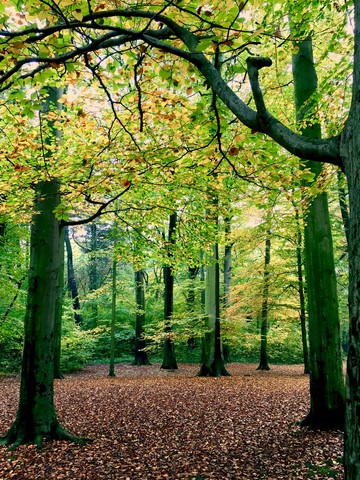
column 17, row 436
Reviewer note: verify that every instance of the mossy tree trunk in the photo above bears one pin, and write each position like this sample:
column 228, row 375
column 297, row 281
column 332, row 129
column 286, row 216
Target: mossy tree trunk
column 141, row 356
column 326, row 376
column 169, row 358
column 36, row 418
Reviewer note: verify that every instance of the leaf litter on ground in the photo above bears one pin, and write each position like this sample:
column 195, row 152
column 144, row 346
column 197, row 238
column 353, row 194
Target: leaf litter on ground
column 152, row 424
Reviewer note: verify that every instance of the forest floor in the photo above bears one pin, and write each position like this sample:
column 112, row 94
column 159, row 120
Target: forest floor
column 149, row 424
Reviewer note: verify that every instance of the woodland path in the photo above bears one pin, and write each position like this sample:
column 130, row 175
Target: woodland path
column 150, row 424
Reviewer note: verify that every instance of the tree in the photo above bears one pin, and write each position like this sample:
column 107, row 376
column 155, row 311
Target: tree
column 212, row 359
column 169, row 359
column 326, row 376
column 36, row 417
column 264, row 365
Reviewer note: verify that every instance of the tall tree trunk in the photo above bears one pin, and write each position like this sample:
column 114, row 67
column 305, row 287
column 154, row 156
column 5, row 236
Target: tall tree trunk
column 326, row 377
column 264, row 364
column 59, row 308
column 227, row 276
column 190, row 301
column 212, row 357
column 169, row 359
column 141, row 356
column 113, row 308
column 299, row 262
column 71, row 280
column 227, row 261
column 36, row 417
column 93, row 274
column 350, row 149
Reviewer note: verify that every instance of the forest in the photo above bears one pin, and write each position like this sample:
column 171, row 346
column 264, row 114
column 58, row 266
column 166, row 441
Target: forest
column 179, row 233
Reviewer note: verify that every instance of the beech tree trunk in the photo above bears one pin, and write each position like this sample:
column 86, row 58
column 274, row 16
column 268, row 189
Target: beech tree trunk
column 36, row 417
column 299, row 263
column 71, row 280
column 212, row 357
column 93, row 275
column 264, row 364
column 169, row 359
column 350, row 150
column 141, row 356
column 326, row 376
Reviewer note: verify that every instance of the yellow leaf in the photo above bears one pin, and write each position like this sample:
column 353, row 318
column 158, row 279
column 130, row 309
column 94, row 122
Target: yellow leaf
column 78, row 14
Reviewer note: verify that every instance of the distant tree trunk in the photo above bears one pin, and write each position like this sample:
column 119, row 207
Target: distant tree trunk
column 326, row 375
column 59, row 309
column 169, row 359
column 36, row 418
column 213, row 361
column 141, row 356
column 264, row 365
column 299, row 262
column 93, row 274
column 190, row 300
column 113, row 308
column 227, row 276
column 227, row 262
column 71, row 280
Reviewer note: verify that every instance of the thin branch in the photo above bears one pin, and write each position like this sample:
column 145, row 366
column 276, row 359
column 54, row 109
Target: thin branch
column 100, row 211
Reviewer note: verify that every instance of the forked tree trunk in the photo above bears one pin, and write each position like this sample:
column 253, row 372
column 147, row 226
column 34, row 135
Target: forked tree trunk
column 141, row 356
column 326, row 376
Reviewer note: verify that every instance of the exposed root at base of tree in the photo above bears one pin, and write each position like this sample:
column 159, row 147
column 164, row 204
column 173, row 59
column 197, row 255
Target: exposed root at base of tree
column 326, row 422
column 18, row 435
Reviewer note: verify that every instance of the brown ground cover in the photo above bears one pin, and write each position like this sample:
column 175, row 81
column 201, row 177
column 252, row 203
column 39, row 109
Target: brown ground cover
column 149, row 424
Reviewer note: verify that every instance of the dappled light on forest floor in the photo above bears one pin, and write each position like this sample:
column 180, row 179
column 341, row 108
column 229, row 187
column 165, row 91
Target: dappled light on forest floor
column 148, row 424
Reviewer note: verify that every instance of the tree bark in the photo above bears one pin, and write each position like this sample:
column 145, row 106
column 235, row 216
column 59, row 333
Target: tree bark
column 264, row 364
column 169, row 358
column 213, row 364
column 113, row 304
column 343, row 206
column 326, row 376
